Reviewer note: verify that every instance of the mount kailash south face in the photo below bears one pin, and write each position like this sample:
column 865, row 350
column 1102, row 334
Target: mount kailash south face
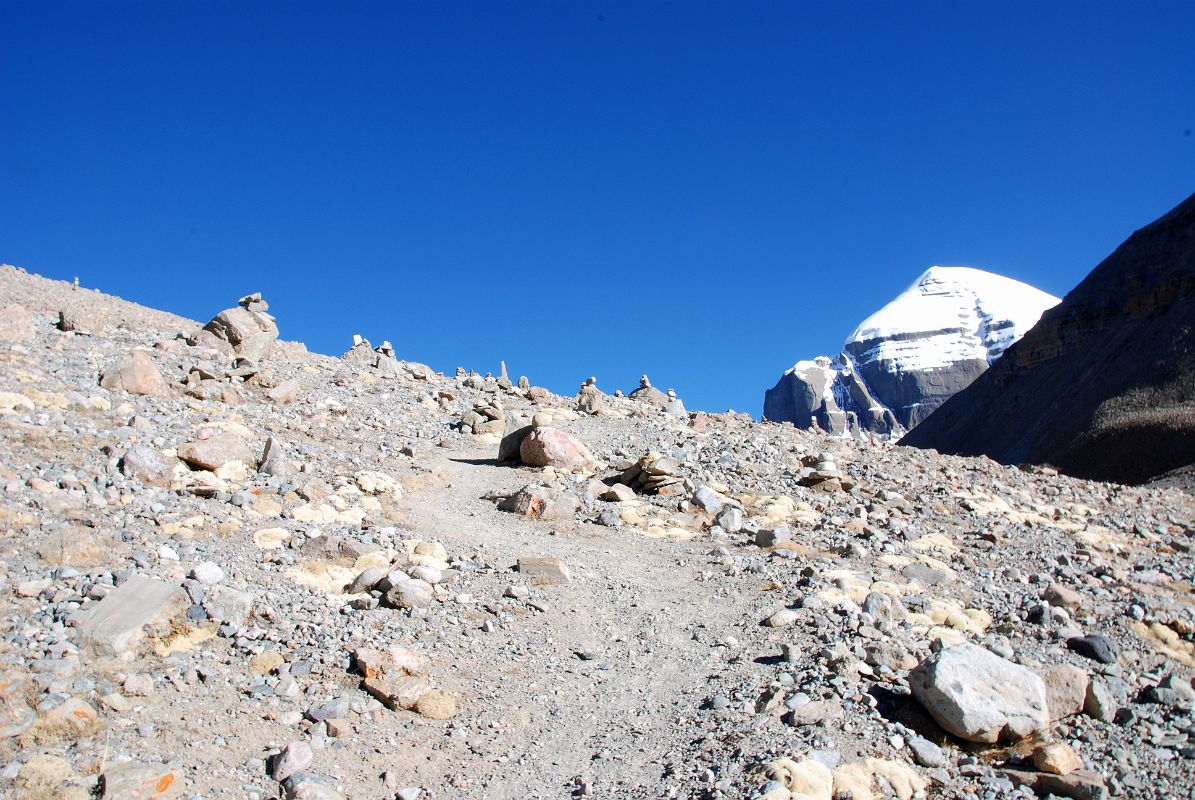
column 912, row 355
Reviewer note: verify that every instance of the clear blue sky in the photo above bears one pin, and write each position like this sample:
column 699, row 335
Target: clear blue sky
column 703, row 191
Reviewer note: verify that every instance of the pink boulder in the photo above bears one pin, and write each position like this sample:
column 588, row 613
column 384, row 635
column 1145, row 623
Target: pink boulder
column 551, row 447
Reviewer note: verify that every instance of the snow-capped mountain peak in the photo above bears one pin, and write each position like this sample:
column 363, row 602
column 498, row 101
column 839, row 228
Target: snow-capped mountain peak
column 948, row 315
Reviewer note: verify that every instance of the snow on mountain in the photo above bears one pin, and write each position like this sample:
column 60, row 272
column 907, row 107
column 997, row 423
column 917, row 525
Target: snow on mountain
column 909, row 357
column 948, row 315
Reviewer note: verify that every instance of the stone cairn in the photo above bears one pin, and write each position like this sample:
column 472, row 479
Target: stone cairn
column 825, row 475
column 246, row 331
column 381, row 359
column 590, row 399
column 654, row 474
column 646, row 393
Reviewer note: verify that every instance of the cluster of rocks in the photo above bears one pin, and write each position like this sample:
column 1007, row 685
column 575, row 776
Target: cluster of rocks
column 381, row 360
column 246, row 331
column 667, row 401
column 656, row 474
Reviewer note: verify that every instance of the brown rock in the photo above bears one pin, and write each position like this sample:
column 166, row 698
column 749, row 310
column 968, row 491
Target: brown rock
column 552, row 447
column 1063, row 596
column 540, row 502
column 1058, row 758
column 137, row 374
column 403, row 693
column 1066, row 690
column 246, row 330
column 1081, row 784
column 544, row 571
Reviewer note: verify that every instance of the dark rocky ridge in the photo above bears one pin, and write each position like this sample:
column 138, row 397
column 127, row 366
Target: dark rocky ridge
column 1103, row 387
column 829, row 397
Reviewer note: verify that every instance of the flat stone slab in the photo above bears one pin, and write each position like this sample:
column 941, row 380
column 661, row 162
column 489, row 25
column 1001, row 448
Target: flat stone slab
column 134, row 781
column 544, row 571
column 139, row 608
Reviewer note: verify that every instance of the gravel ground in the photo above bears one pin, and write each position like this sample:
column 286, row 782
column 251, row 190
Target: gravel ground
column 770, row 603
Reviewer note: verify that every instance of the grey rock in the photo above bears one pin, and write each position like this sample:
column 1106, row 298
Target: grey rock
column 926, row 753
column 1096, row 647
column 707, row 499
column 140, row 607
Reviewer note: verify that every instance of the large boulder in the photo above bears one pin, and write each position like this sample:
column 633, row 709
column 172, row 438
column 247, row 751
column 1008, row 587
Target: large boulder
column 552, row 447
column 136, row 374
column 979, row 696
column 1103, row 387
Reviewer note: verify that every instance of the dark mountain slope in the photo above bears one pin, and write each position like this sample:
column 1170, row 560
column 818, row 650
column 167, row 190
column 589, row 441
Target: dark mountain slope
column 1103, row 387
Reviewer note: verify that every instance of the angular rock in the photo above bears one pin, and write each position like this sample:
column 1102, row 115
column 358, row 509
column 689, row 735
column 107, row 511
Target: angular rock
column 246, row 330
column 398, row 693
column 517, row 429
column 137, row 374
column 707, row 500
column 217, row 450
column 1066, row 690
column 295, row 757
column 544, row 571
column 1080, row 785
column 228, row 606
column 978, row 696
column 148, row 465
column 1104, row 698
column 730, row 518
column 540, row 502
column 141, row 607
column 132, row 780
column 769, row 537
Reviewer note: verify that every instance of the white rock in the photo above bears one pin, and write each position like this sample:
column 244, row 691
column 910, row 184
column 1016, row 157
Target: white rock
column 978, row 696
column 208, row 573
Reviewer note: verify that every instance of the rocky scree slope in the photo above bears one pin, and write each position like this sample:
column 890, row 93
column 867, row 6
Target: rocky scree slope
column 905, row 360
column 1103, row 386
column 287, row 574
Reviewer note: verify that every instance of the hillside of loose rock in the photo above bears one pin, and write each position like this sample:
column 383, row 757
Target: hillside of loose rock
column 233, row 568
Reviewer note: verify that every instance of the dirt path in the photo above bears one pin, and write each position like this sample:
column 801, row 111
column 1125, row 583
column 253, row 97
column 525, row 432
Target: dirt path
column 588, row 689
